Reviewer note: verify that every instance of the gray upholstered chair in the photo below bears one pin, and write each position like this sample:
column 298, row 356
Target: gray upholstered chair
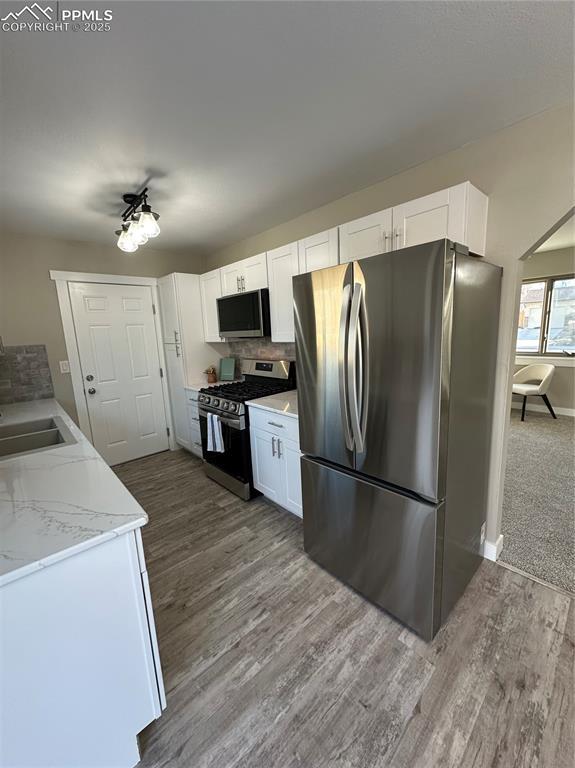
column 534, row 380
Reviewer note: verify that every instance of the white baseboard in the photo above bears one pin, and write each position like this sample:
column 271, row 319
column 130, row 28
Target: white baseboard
column 492, row 550
column 543, row 408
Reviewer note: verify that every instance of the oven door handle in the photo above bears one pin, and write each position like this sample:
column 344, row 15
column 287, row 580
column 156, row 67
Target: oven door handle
column 232, row 422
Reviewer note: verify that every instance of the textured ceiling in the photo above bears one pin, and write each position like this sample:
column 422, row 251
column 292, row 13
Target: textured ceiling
column 243, row 115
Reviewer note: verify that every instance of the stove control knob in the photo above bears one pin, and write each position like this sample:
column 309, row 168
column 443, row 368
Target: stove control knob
column 207, row 399
column 225, row 405
column 233, row 407
column 215, row 402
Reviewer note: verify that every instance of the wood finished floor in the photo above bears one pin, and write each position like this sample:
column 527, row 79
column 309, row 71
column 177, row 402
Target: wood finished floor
column 269, row 662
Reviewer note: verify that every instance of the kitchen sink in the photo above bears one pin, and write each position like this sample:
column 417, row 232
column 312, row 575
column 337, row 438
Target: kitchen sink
column 32, row 436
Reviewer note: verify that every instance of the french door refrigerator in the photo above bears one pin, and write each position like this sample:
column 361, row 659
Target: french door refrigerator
column 396, row 359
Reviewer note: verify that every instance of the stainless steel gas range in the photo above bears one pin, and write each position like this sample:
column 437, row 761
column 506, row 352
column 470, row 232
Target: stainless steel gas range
column 232, row 466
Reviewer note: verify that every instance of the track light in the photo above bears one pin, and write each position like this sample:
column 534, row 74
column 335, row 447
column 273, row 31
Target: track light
column 139, row 225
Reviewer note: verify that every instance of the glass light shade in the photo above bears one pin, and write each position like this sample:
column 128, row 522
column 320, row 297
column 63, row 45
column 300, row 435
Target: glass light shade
column 126, row 243
column 136, row 233
column 148, row 224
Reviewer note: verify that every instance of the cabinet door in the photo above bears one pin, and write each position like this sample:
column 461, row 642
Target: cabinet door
column 318, row 251
column 210, row 290
column 282, row 266
column 365, row 237
column 290, row 456
column 267, row 468
column 169, row 309
column 254, row 273
column 232, row 278
column 176, row 384
column 441, row 214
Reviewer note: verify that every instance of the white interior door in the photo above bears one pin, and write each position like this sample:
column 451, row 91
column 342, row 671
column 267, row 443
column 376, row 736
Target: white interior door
column 118, row 348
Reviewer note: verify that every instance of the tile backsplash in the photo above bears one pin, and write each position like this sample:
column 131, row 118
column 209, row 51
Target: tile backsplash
column 262, row 349
column 25, row 374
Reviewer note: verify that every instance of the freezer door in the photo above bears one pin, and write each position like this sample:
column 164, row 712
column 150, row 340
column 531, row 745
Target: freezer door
column 322, row 305
column 383, row 544
column 406, row 297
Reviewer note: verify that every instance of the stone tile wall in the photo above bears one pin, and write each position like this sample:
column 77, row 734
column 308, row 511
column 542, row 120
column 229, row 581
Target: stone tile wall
column 262, row 349
column 25, row 374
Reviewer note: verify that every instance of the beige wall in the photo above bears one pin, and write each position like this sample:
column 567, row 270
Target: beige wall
column 527, row 172
column 29, row 311
column 550, row 263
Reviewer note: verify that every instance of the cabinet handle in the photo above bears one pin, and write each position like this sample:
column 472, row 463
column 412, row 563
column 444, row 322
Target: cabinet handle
column 279, row 448
column 275, row 424
column 243, row 283
column 176, row 337
column 178, row 350
column 238, row 283
column 398, row 236
column 273, row 446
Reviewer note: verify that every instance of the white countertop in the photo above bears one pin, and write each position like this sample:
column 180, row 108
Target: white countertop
column 57, row 502
column 283, row 402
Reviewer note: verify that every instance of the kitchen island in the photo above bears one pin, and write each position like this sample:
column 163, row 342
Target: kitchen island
column 79, row 661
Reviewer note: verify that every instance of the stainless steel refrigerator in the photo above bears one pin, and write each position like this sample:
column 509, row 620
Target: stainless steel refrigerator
column 395, row 368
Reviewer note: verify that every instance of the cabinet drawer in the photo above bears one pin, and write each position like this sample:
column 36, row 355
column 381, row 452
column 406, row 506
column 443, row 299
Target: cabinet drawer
column 282, row 426
column 192, row 395
column 194, row 414
column 196, row 447
column 195, row 433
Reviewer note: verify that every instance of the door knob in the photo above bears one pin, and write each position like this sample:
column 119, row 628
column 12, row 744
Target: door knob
column 89, row 377
column 92, row 391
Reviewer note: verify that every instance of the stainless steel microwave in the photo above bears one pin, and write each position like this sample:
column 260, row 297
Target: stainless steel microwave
column 244, row 315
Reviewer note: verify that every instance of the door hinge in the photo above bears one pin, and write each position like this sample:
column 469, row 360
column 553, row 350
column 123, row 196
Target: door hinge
column 168, row 431
column 161, row 373
column 153, row 309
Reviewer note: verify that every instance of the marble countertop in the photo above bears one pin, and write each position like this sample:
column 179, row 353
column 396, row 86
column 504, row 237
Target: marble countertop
column 57, row 502
column 283, row 402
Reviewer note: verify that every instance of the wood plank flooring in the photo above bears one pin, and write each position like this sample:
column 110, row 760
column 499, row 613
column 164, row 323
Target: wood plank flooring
column 269, row 662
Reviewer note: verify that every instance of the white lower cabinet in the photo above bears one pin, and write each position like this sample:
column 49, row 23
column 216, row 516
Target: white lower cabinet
column 194, row 422
column 83, row 676
column 276, row 459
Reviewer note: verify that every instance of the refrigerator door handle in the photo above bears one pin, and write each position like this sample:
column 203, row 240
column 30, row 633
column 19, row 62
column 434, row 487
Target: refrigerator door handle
column 355, row 371
column 343, row 365
column 364, row 362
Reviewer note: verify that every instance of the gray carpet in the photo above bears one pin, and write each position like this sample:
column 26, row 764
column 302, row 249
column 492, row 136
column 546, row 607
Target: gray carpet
column 539, row 500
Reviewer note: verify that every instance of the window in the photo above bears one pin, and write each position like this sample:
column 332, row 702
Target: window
column 547, row 316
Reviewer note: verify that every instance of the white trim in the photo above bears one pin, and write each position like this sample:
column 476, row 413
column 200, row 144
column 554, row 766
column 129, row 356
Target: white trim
column 62, row 280
column 561, row 361
column 93, row 277
column 492, row 550
column 73, row 357
column 543, row 408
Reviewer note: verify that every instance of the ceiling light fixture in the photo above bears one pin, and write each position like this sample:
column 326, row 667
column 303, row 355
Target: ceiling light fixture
column 139, row 225
column 125, row 240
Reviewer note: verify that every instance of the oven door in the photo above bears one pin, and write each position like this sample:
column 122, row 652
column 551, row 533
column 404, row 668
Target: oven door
column 233, row 467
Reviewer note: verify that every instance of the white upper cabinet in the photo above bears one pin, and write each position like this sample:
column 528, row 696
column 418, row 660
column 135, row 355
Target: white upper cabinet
column 255, row 272
column 210, row 290
column 282, row 265
column 458, row 213
column 231, row 278
column 318, row 251
column 245, row 275
column 365, row 237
